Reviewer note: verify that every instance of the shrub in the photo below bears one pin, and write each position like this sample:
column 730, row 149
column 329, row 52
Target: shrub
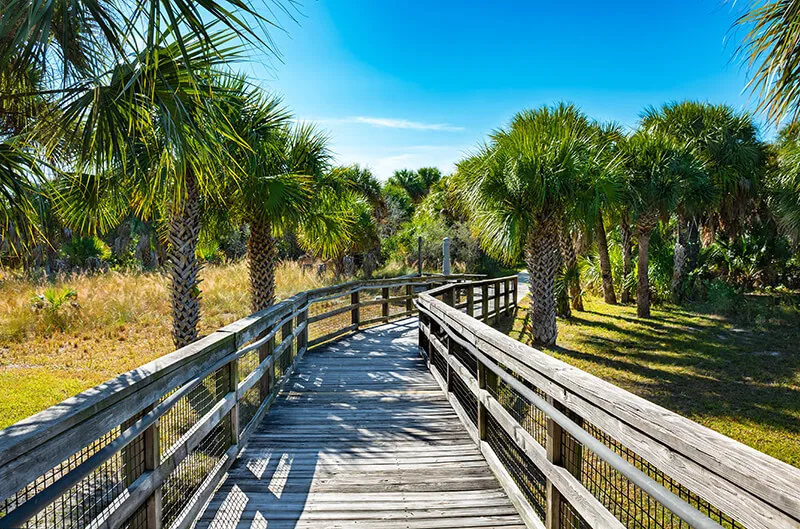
column 81, row 249
column 53, row 303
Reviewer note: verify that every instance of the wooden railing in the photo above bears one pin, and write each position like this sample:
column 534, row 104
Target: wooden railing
column 147, row 449
column 573, row 451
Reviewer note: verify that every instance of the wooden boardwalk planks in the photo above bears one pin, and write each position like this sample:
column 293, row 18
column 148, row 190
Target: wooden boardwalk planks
column 362, row 436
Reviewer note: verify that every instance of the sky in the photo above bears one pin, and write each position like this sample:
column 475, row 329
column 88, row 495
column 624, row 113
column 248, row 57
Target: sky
column 408, row 84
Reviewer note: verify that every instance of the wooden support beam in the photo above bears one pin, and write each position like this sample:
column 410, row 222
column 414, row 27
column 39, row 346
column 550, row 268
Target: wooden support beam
column 385, row 304
column 355, row 314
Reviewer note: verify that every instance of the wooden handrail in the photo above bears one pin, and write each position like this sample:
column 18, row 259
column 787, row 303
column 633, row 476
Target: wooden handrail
column 130, row 406
column 748, row 486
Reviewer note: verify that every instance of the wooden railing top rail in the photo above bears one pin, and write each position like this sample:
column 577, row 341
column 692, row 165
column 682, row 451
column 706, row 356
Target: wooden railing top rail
column 753, row 488
column 39, row 443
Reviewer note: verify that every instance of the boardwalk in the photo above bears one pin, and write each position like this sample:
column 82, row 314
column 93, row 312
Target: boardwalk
column 363, row 437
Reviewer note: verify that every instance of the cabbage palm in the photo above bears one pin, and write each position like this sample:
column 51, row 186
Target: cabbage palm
column 771, row 52
column 147, row 134
column 285, row 183
column 518, row 187
column 726, row 143
column 656, row 170
column 784, row 186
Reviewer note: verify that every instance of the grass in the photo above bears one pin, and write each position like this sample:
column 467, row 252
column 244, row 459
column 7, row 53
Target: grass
column 119, row 322
column 738, row 379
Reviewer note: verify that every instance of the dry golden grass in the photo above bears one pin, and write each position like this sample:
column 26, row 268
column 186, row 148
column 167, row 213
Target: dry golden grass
column 122, row 320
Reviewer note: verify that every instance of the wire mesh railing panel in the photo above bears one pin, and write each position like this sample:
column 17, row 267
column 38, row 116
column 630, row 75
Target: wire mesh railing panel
column 180, row 488
column 464, row 357
column 569, row 518
column 325, row 326
column 248, row 406
column 86, row 500
column 398, row 306
column 531, row 418
column 626, row 501
column 187, row 412
column 439, row 362
column 138, row 520
column 523, row 471
column 465, row 397
column 247, row 363
column 374, row 309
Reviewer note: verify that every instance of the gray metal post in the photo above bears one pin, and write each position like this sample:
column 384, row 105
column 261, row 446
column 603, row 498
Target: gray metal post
column 446, row 256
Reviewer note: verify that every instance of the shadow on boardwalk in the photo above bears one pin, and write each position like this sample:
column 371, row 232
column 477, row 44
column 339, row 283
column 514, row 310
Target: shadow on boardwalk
column 361, row 437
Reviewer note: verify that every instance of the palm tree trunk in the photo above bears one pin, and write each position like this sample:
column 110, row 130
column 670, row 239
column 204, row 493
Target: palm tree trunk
column 571, row 270
column 627, row 259
column 184, row 231
column 679, row 259
column 643, row 290
column 605, row 262
column 261, row 255
column 543, row 259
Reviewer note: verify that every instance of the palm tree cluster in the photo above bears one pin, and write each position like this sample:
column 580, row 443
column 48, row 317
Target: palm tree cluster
column 547, row 188
column 114, row 109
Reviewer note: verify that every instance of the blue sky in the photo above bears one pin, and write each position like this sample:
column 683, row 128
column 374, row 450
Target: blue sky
column 418, row 83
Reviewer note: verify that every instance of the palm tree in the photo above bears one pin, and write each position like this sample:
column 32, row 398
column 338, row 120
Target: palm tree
column 771, row 52
column 147, row 135
column 601, row 195
column 285, row 183
column 726, row 143
column 784, row 184
column 518, row 187
column 656, row 171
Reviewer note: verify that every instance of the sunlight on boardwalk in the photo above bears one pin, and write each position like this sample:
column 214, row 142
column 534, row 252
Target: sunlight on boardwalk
column 363, row 437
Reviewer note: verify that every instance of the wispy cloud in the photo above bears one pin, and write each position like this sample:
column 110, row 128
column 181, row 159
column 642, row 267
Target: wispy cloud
column 393, row 123
column 390, row 123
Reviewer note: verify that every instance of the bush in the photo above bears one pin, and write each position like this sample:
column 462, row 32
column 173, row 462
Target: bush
column 80, row 250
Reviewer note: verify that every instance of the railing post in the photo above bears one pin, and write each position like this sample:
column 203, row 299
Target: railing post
column 152, row 458
column 230, row 374
column 554, row 455
column 515, row 282
column 485, row 302
column 409, row 298
column 448, row 296
column 302, row 338
column 506, row 308
column 470, row 299
column 496, row 298
column 286, row 334
column 264, row 352
column 355, row 313
column 385, row 304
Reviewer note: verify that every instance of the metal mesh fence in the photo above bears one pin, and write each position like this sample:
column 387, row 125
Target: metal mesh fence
column 528, row 416
column 569, row 517
column 86, row 500
column 627, row 502
column 186, row 413
column 188, row 478
column 523, row 471
column 333, row 323
column 465, row 397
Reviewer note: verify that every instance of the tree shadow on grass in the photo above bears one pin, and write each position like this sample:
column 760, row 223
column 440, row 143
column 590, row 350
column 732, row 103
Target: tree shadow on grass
column 690, row 363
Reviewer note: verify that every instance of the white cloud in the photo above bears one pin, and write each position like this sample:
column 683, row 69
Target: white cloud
column 390, row 123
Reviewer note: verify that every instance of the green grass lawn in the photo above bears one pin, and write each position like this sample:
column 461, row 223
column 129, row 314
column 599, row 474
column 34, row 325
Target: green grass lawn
column 740, row 380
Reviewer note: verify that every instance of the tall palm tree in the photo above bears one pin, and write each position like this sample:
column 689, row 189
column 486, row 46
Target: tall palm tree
column 770, row 50
column 784, row 183
column 285, row 183
column 656, row 170
column 518, row 186
column 602, row 194
column 147, row 135
column 726, row 143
